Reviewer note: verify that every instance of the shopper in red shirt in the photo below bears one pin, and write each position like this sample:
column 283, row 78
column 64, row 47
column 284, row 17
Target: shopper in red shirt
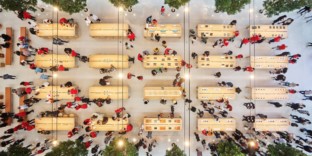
column 292, row 91
column 23, row 83
column 275, row 39
column 70, row 134
column 244, row 41
column 254, row 39
column 140, row 77
column 162, row 10
column 292, row 61
column 93, row 134
column 30, row 127
column 61, row 68
column 140, row 57
column 32, row 66
column 87, row 121
column 225, row 43
column 280, row 47
column 131, row 36
column 78, row 107
column 18, row 127
column 42, row 50
column 129, row 75
column 229, row 107
column 63, row 21
column 74, row 91
column 249, row 69
column 239, row 56
column 84, row 106
column 28, row 90
column 88, row 143
column 27, row 15
column 296, row 56
column 129, row 128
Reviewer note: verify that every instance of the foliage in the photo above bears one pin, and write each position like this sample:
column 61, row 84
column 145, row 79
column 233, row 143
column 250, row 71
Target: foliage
column 283, row 150
column 227, row 148
column 69, row 6
column 175, row 151
column 17, row 5
column 275, row 7
column 18, row 150
column 3, row 153
column 128, row 149
column 176, row 3
column 230, row 6
column 124, row 3
column 69, row 148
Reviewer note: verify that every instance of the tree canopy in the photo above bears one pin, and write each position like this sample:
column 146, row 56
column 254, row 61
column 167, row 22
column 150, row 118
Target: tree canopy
column 113, row 149
column 283, row 150
column 124, row 3
column 69, row 6
column 16, row 150
column 176, row 3
column 230, row 6
column 275, row 7
column 69, row 148
column 227, row 148
column 175, row 151
column 16, row 5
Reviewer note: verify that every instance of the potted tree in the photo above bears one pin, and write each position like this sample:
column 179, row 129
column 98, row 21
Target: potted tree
column 175, row 151
column 176, row 4
column 227, row 148
column 275, row 7
column 16, row 150
column 69, row 148
column 126, row 4
column 283, row 150
column 17, row 5
column 230, row 6
column 120, row 147
column 69, row 6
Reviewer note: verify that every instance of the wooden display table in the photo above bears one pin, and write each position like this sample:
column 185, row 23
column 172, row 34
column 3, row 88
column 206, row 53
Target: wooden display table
column 46, row 61
column 106, row 61
column 162, row 61
column 111, row 125
column 216, row 30
column 210, row 124
column 168, row 93
column 9, row 50
column 269, row 31
column 21, row 102
column 8, row 103
column 278, row 124
column 269, row 93
column 108, row 30
column 163, row 30
column 269, row 62
column 56, row 92
column 113, row 92
column 55, row 123
column 216, row 61
column 163, row 124
column 23, row 32
column 215, row 93
column 55, row 29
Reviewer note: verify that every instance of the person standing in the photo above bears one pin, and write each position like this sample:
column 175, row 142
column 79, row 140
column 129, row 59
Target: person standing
column 280, row 47
column 162, row 10
column 279, row 19
column 304, row 10
column 276, row 104
column 218, row 74
column 275, row 39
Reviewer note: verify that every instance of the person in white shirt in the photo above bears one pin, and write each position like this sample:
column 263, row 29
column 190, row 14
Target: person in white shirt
column 88, row 21
column 23, row 107
column 95, row 18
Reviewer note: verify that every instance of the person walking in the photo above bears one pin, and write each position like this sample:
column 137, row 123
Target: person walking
column 275, row 39
column 162, row 10
column 276, row 104
column 279, row 77
column 217, row 74
column 95, row 18
column 287, row 22
column 279, row 19
column 280, row 47
column 8, row 76
column 286, row 53
column 304, row 10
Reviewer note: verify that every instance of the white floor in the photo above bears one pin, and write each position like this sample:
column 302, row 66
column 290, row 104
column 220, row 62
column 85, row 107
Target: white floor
column 200, row 11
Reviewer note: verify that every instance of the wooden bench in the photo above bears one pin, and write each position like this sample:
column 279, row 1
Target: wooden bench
column 9, row 51
column 23, row 32
column 163, row 124
column 21, row 102
column 8, row 102
column 210, row 124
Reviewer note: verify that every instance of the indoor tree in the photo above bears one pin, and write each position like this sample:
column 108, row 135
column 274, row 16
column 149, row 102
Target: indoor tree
column 115, row 149
column 176, row 4
column 17, row 5
column 275, row 7
column 16, row 150
column 230, row 6
column 283, row 150
column 175, row 151
column 126, row 4
column 69, row 148
column 69, row 6
column 228, row 148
